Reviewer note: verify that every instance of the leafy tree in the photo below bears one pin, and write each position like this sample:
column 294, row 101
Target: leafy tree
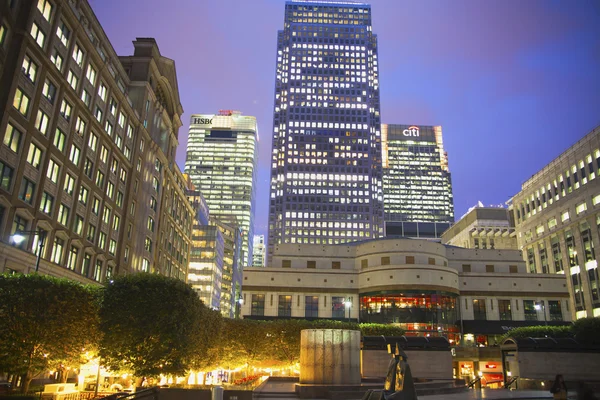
column 243, row 342
column 151, row 325
column 587, row 330
column 206, row 354
column 44, row 322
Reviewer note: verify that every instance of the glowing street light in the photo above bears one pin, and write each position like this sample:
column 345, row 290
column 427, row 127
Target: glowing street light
column 19, row 236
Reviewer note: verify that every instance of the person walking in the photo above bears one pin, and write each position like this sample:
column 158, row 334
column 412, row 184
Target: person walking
column 559, row 388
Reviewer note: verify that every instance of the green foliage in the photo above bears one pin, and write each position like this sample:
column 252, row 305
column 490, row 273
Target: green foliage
column 205, row 356
column 151, row 325
column 539, row 331
column 243, row 342
column 368, row 329
column 587, row 330
column 45, row 322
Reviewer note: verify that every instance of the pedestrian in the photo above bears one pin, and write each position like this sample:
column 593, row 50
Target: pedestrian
column 559, row 388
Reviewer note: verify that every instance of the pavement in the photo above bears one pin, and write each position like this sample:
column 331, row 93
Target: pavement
column 277, row 390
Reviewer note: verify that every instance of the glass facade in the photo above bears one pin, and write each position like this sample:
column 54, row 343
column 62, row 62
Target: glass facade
column 417, row 188
column 326, row 175
column 221, row 162
column 422, row 313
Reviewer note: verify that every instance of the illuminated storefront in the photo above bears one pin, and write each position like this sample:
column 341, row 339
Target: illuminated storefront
column 420, row 313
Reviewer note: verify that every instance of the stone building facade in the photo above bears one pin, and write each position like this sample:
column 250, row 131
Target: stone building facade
column 557, row 218
column 88, row 152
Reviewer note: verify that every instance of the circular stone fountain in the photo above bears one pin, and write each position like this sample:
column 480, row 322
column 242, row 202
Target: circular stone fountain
column 330, row 357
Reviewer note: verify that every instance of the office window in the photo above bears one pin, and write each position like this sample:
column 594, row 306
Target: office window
column 513, row 269
column 85, row 266
column 57, row 251
column 100, row 179
column 385, row 261
column 410, row 259
column 59, row 140
column 338, row 307
column 37, row 35
column 56, row 59
column 29, row 68
column 581, row 207
column 336, row 265
column 63, row 215
column 86, row 97
column 53, row 171
column 72, row 79
column 78, row 224
column 6, row 174
column 121, row 120
column 66, row 109
column 148, row 244
column 74, row 154
column 102, row 91
column 431, row 260
column 63, row 32
column 110, row 189
column 257, row 306
column 98, row 114
column 102, row 240
column 91, row 74
column 49, row 91
column 72, row 259
column 504, row 310
column 45, row 7
column 479, row 310
column 364, row 263
column 108, row 127
column 88, row 167
column 112, row 107
column 93, row 141
column 19, row 225
column 104, row 154
column 555, row 310
column 96, row 206
column 27, row 190
column 34, row 155
column 123, row 177
column 489, row 268
column 41, row 122
column 98, row 271
column 119, row 200
column 78, row 54
column 311, row 306
column 530, row 311
column 69, row 184
column 284, row 308
column 106, row 215
column 21, row 102
column 311, row 264
column 150, row 224
column 112, row 247
column 83, row 195
column 466, row 268
column 12, row 138
column 91, row 233
column 145, row 265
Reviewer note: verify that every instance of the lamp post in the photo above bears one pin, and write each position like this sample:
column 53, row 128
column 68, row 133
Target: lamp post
column 19, row 236
column 348, row 304
column 542, row 307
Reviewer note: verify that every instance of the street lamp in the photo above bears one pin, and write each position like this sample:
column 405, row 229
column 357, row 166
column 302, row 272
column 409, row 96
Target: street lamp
column 542, row 307
column 348, row 304
column 19, row 236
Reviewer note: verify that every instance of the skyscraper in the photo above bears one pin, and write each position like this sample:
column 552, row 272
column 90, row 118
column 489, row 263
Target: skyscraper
column 417, row 188
column 259, row 251
column 326, row 174
column 221, row 162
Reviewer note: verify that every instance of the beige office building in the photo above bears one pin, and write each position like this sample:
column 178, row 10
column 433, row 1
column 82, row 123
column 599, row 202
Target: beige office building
column 483, row 228
column 87, row 157
column 557, row 218
column 427, row 288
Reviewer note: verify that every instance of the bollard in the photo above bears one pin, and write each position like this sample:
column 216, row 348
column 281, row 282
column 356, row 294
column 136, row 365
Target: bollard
column 217, row 393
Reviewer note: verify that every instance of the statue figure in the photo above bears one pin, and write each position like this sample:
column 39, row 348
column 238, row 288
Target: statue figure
column 399, row 383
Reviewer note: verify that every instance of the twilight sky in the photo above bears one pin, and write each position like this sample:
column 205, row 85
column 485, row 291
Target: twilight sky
column 512, row 83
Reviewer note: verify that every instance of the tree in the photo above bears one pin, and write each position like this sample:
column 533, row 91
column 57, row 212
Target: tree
column 587, row 330
column 44, row 322
column 206, row 354
column 539, row 331
column 151, row 325
column 244, row 342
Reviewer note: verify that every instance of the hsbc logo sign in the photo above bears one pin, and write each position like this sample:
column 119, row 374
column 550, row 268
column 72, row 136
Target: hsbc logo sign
column 202, row 121
column 411, row 131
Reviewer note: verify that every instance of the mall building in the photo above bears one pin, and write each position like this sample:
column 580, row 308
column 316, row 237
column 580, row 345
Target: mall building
column 557, row 217
column 428, row 288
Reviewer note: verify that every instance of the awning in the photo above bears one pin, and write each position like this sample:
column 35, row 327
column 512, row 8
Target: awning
column 501, row 327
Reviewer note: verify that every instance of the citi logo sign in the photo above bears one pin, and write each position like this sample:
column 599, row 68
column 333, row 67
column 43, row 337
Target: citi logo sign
column 202, row 121
column 411, row 131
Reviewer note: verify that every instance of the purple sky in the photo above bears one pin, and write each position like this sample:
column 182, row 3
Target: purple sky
column 513, row 83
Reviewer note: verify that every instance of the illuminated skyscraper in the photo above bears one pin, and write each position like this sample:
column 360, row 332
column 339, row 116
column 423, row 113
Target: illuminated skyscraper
column 259, row 251
column 326, row 174
column 417, row 188
column 221, row 162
